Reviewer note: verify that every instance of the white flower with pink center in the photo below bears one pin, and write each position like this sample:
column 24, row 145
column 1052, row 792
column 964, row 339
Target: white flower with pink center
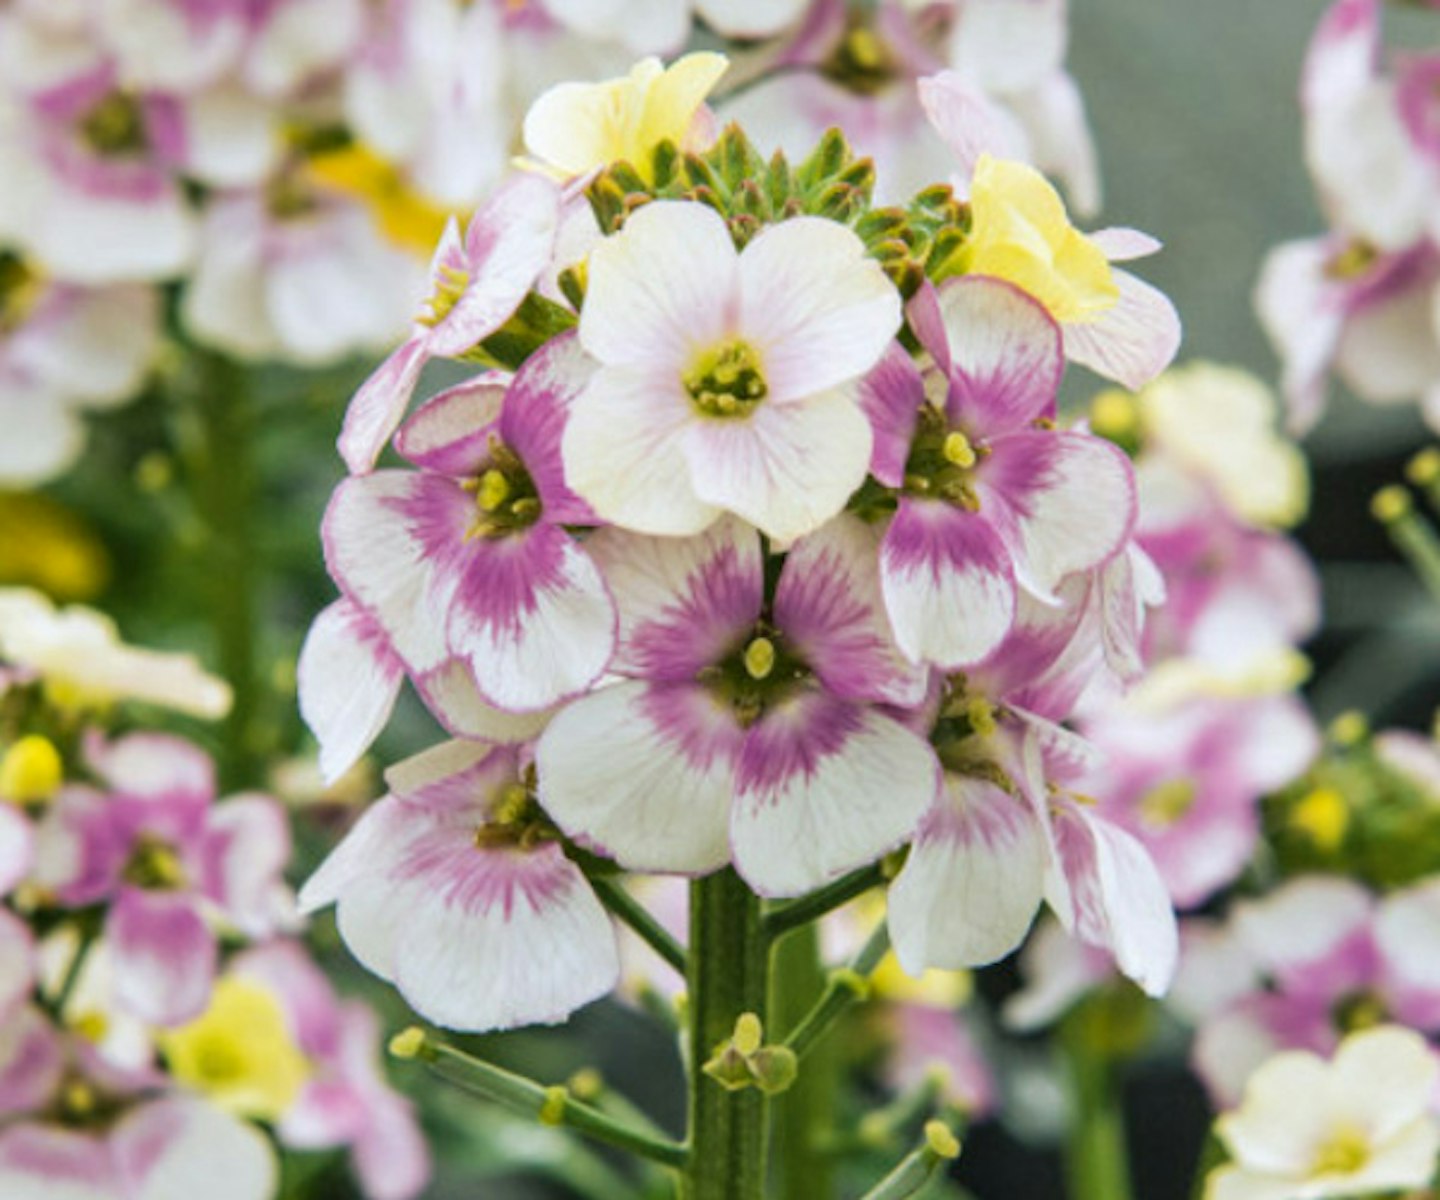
column 170, row 863
column 451, row 888
column 469, row 557
column 1005, row 831
column 747, row 725
column 726, row 377
column 992, row 498
column 477, row 282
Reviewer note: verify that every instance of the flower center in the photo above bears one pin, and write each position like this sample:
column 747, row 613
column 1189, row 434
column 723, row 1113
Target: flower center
column 450, row 284
column 726, row 381
column 515, row 818
column 154, row 865
column 759, row 671
column 1167, row 802
column 1352, row 260
column 942, row 462
column 861, row 61
column 115, row 126
column 1344, row 1153
column 20, row 289
column 1359, row 1010
column 506, row 499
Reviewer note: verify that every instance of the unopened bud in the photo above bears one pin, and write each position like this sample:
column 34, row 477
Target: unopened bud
column 408, row 1043
column 941, row 1141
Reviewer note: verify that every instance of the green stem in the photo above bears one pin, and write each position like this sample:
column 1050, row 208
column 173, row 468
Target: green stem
column 620, row 902
column 804, row 1115
column 1096, row 1159
column 842, row 989
column 785, row 917
column 1416, row 540
column 224, row 484
column 548, row 1105
column 728, row 969
column 922, row 1164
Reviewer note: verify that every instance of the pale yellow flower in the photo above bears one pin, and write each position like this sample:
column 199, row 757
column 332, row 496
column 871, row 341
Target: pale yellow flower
column 576, row 127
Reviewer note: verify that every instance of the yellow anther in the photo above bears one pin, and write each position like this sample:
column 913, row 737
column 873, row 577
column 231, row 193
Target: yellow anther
column 726, row 380
column 552, row 1111
column 586, row 1083
column 749, row 1033
column 1352, row 261
column 492, row 490
column 408, row 1043
column 760, row 658
column 1391, row 503
column 450, row 285
column 1424, row 468
column 31, row 770
column 1344, row 1153
column 78, row 1098
column 92, row 1025
column 981, row 715
column 1167, row 802
column 957, row 449
column 941, row 1141
column 511, row 804
column 1323, row 816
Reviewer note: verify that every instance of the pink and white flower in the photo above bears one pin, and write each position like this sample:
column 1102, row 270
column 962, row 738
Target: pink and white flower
column 345, row 1100
column 64, row 350
column 476, row 285
column 725, row 380
column 306, row 286
column 992, row 497
column 469, row 558
column 170, row 863
column 741, row 731
column 447, row 888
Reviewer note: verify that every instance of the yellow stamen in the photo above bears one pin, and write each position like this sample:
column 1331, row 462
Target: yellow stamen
column 957, row 449
column 981, row 715
column 759, row 658
column 1344, row 1153
column 1167, row 802
column 31, row 770
column 493, row 490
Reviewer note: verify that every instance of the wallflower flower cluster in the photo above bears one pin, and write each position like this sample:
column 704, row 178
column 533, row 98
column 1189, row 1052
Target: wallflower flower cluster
column 1359, row 301
column 158, row 1016
column 759, row 545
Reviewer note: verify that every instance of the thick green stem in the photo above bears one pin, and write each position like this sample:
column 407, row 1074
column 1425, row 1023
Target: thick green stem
column 1096, row 1158
column 804, row 1115
column 727, row 977
column 224, row 486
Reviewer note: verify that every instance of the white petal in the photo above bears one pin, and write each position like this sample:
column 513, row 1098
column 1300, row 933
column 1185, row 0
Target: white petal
column 973, row 882
column 644, row 774
column 1132, row 342
column 186, row 1147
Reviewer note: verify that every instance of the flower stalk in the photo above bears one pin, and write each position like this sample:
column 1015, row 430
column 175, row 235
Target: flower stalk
column 728, row 977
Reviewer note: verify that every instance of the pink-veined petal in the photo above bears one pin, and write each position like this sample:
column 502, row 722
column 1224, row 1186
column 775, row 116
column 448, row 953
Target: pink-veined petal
column 948, row 584
column 823, row 786
column 890, row 397
column 973, row 881
column 378, row 407
column 644, row 773
column 450, row 433
column 163, row 953
column 1132, row 342
column 45, row 1162
column 828, row 606
column 183, row 1146
column 349, row 679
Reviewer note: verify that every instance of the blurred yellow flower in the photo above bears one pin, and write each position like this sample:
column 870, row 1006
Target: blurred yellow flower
column 402, row 214
column 47, row 546
column 239, row 1053
column 31, row 770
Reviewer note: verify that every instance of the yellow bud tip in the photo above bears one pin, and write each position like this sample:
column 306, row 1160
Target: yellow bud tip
column 552, row 1112
column 31, row 770
column 492, row 491
column 1323, row 816
column 1424, row 468
column 1349, row 728
column 749, row 1033
column 586, row 1083
column 760, row 658
column 957, row 449
column 1390, row 504
column 408, row 1043
column 940, row 1141
column 1113, row 414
